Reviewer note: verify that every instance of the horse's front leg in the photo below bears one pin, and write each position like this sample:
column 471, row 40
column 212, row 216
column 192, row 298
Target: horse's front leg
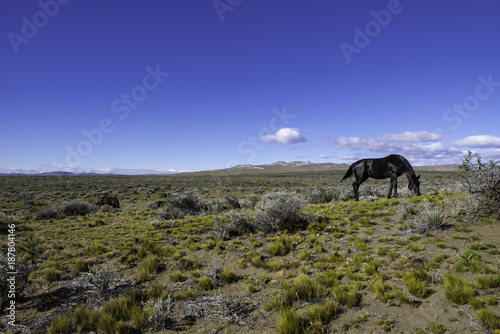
column 394, row 185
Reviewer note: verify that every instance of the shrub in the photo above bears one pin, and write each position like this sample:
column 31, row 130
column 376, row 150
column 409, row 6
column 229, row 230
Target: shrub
column 47, row 213
column 319, row 195
column 186, row 203
column 278, row 211
column 232, row 223
column 76, row 208
column 227, row 203
column 161, row 316
column 102, row 277
column 483, row 181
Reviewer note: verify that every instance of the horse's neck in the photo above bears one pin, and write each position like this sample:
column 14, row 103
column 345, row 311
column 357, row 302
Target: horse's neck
column 410, row 173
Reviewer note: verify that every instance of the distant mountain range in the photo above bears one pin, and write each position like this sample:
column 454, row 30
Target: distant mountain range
column 296, row 165
column 275, row 166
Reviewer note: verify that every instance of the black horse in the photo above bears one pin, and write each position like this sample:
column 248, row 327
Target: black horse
column 391, row 166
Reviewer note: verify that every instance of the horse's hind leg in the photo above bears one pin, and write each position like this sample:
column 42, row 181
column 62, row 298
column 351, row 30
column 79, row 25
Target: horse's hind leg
column 355, row 187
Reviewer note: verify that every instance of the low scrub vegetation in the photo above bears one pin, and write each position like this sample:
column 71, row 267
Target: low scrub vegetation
column 262, row 251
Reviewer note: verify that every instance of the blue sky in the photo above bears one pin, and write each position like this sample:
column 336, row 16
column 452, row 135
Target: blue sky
column 157, row 86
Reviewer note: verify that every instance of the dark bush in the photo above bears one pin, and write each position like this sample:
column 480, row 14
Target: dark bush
column 76, row 208
column 46, row 213
column 319, row 195
column 232, row 223
column 278, row 211
column 186, row 203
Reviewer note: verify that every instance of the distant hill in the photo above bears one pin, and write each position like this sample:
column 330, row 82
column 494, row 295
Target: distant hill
column 305, row 166
column 57, row 173
column 295, row 165
column 300, row 166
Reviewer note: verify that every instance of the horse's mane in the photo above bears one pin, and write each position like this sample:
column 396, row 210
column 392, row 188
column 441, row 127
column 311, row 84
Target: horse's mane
column 410, row 172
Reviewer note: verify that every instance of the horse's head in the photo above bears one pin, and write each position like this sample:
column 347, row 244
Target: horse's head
column 414, row 184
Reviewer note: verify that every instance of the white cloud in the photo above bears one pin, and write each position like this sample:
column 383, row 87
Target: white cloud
column 390, row 142
column 431, row 151
column 491, row 154
column 350, row 156
column 285, row 136
column 479, row 141
column 411, row 137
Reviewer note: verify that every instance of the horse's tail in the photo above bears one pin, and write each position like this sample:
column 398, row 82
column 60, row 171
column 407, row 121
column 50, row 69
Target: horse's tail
column 348, row 174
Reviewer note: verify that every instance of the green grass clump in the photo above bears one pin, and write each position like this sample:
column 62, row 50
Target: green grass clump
column 371, row 268
column 85, row 319
column 360, row 243
column 381, row 290
column 435, row 219
column 52, row 275
column 177, row 276
column 80, row 267
column 489, row 319
column 487, row 282
column 150, row 264
column 304, row 255
column 281, row 246
column 416, row 288
column 302, row 288
column 60, row 325
column 345, row 295
column 318, row 315
column 471, row 261
column 228, row 276
column 329, row 279
column 290, row 322
column 205, row 283
column 457, row 290
column 436, row 328
column 381, row 251
column 442, row 245
column 255, row 259
column 415, row 248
